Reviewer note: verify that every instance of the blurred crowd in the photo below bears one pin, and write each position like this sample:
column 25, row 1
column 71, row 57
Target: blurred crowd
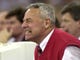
column 12, row 13
column 10, row 25
column 13, row 23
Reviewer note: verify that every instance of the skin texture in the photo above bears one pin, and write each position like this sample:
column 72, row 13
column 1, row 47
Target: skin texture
column 35, row 27
column 14, row 25
column 70, row 25
column 2, row 20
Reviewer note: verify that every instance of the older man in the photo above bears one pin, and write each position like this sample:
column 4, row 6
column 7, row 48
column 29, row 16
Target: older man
column 53, row 44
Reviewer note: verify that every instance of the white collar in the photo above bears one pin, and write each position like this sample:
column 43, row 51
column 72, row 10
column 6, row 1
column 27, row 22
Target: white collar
column 45, row 41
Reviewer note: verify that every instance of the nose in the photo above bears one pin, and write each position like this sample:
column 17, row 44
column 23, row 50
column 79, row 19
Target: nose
column 24, row 25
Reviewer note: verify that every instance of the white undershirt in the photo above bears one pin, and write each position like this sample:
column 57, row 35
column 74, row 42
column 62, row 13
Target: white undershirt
column 69, row 53
column 45, row 41
column 79, row 38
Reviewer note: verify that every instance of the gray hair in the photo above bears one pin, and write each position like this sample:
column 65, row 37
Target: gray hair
column 46, row 10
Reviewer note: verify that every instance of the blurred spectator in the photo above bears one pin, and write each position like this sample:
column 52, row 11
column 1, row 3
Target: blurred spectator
column 14, row 22
column 4, row 35
column 2, row 19
column 71, row 18
column 10, row 4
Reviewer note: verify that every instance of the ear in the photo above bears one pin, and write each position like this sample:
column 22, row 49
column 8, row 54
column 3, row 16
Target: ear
column 47, row 23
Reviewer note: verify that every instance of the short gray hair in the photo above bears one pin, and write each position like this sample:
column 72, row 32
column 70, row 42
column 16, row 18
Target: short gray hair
column 47, row 11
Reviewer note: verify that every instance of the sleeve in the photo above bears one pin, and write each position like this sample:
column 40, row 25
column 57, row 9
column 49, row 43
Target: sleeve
column 71, row 53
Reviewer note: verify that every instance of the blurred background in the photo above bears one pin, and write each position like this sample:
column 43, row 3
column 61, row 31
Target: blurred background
column 11, row 4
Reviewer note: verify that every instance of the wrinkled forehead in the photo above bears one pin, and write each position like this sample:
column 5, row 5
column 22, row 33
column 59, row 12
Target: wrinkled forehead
column 33, row 12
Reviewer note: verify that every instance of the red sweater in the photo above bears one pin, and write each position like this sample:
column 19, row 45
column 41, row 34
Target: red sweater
column 56, row 46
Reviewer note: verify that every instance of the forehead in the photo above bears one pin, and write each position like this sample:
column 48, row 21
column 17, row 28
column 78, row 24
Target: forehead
column 32, row 12
column 13, row 18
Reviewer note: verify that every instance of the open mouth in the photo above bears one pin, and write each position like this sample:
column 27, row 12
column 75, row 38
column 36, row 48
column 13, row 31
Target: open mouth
column 28, row 31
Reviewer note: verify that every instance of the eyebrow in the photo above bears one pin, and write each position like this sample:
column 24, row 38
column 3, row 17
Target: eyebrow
column 27, row 19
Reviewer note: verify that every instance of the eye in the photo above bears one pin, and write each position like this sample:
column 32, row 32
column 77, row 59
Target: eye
column 10, row 22
column 65, row 20
column 29, row 20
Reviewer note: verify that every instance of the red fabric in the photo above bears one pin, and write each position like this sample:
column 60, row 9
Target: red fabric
column 56, row 46
column 36, row 53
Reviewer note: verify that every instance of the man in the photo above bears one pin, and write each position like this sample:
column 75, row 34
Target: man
column 14, row 22
column 71, row 19
column 39, row 26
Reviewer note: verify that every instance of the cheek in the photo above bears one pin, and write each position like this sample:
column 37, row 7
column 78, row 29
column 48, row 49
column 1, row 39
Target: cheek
column 37, row 28
column 68, row 25
column 71, row 27
column 14, row 29
column 17, row 28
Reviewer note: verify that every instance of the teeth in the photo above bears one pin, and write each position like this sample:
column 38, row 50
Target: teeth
column 28, row 31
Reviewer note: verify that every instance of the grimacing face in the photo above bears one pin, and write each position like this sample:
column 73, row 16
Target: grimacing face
column 68, row 24
column 14, row 25
column 33, row 25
